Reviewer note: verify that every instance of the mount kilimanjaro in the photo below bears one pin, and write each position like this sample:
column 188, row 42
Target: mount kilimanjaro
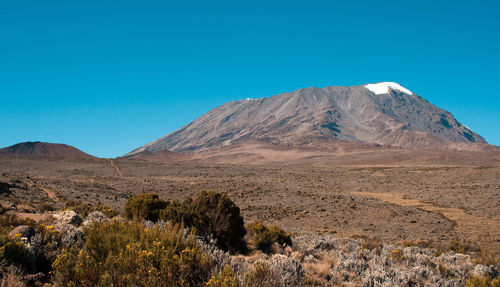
column 385, row 114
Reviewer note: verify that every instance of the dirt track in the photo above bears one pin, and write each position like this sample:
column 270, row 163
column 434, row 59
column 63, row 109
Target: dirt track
column 479, row 229
column 116, row 168
column 50, row 194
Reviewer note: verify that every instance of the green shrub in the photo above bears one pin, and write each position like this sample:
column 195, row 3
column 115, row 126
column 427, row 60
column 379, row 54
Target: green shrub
column 47, row 245
column 181, row 213
column 14, row 252
column 220, row 217
column 123, row 253
column 263, row 237
column 210, row 214
column 145, row 206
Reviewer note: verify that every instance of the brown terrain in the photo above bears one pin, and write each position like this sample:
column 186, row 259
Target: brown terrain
column 396, row 195
column 344, row 161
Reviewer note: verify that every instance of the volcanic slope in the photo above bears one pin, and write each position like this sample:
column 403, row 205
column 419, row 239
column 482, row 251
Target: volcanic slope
column 42, row 149
column 382, row 113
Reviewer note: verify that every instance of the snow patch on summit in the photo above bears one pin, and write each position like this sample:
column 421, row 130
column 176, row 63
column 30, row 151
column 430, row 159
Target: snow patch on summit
column 383, row 88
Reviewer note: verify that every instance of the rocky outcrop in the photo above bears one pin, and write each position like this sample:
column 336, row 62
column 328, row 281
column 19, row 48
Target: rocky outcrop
column 95, row 217
column 23, row 231
column 68, row 217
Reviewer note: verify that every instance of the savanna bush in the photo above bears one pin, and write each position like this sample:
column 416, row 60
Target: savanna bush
column 220, row 217
column 46, row 245
column 210, row 214
column 145, row 206
column 122, row 253
column 263, row 237
column 14, row 252
column 27, row 256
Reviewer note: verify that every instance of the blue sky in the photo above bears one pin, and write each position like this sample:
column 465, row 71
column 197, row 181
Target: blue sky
column 110, row 76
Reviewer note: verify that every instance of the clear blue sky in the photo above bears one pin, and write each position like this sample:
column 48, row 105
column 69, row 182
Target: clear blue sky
column 110, row 76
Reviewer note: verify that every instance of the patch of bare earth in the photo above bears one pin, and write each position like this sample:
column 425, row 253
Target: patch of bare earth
column 481, row 230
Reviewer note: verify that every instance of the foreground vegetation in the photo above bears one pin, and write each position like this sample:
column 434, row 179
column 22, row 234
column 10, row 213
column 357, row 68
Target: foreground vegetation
column 203, row 241
column 126, row 253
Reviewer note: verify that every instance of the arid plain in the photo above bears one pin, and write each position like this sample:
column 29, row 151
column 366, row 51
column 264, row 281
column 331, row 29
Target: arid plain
column 433, row 197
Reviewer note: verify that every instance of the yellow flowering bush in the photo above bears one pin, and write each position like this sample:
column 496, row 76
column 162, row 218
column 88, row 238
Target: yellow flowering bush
column 397, row 255
column 225, row 278
column 124, row 254
column 13, row 251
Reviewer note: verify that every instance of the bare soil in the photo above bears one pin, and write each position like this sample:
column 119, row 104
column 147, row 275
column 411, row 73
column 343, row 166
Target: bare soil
column 394, row 202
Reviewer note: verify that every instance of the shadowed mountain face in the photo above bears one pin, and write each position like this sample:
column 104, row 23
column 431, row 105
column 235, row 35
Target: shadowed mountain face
column 383, row 113
column 44, row 150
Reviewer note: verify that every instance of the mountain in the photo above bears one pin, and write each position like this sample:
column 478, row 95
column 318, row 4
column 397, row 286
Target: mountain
column 383, row 113
column 162, row 155
column 42, row 149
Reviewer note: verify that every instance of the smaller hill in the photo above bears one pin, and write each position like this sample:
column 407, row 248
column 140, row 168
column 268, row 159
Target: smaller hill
column 42, row 149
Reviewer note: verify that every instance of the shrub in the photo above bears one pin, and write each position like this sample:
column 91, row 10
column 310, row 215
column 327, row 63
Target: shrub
column 30, row 257
column 129, row 254
column 46, row 245
column 210, row 214
column 9, row 221
column 45, row 207
column 263, row 237
column 460, row 247
column 145, row 206
column 14, row 252
column 261, row 276
column 12, row 277
column 482, row 282
column 225, row 278
column 488, row 258
column 181, row 213
column 84, row 209
column 373, row 243
column 220, row 217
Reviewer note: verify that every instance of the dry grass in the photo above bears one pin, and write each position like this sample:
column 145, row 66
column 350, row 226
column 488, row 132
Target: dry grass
column 321, row 268
column 13, row 279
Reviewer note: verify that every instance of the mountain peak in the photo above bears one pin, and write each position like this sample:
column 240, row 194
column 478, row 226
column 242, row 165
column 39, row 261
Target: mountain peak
column 384, row 87
column 322, row 117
